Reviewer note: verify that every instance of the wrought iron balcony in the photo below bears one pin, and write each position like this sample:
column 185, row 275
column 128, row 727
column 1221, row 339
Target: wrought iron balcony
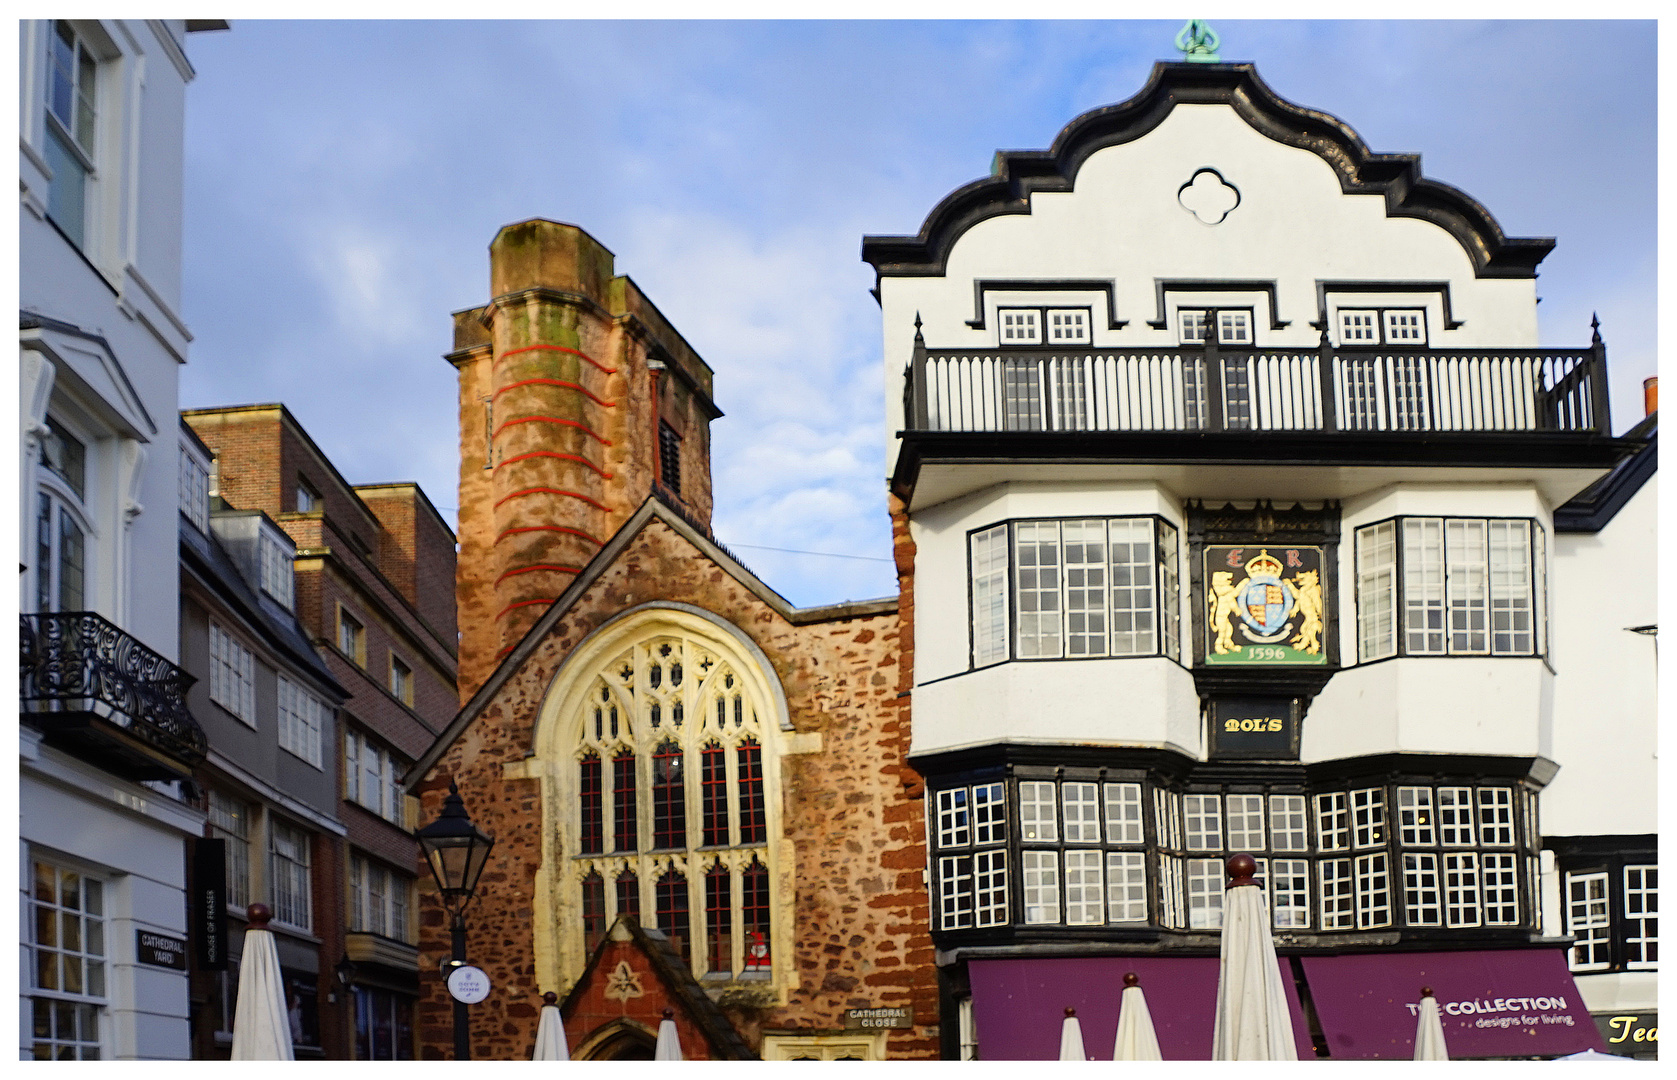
column 90, row 687
column 1212, row 388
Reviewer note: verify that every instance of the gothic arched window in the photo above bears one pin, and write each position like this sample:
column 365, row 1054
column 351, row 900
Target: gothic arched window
column 667, row 768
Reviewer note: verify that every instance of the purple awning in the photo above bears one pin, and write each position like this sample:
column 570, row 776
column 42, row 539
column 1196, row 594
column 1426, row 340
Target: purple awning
column 1508, row 1003
column 1018, row 1005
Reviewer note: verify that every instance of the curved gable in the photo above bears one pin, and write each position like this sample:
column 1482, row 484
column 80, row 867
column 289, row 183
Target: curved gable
column 1020, row 173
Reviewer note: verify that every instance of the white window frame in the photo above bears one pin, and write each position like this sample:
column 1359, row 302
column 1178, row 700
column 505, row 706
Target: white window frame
column 1126, row 887
column 278, row 573
column 1084, row 887
column 1423, row 896
column 1416, row 819
column 1463, row 903
column 1377, row 591
column 92, row 958
column 1374, row 890
column 194, row 488
column 990, row 608
column 1641, row 912
column 303, row 720
column 1333, row 821
column 1334, row 887
column 290, row 876
column 1289, row 823
column 1288, row 883
column 1235, row 326
column 1244, row 822
column 1205, row 882
column 1202, row 817
column 232, row 675
column 1080, row 806
column 1123, row 814
column 76, row 143
column 1499, row 889
column 1589, row 919
column 381, row 899
column 372, row 777
column 231, row 820
column 1040, row 876
column 1368, row 818
column 1038, row 822
column 989, row 813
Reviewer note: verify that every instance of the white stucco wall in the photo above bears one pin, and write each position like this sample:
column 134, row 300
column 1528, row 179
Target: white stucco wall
column 1123, row 223
column 123, row 285
column 1606, row 693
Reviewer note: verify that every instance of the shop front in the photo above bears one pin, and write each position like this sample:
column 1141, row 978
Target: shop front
column 1501, row 1004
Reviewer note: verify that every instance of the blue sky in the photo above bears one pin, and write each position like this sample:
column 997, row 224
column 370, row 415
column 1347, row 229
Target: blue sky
column 344, row 180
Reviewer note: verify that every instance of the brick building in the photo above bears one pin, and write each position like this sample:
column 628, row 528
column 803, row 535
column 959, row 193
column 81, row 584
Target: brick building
column 698, row 792
column 373, row 572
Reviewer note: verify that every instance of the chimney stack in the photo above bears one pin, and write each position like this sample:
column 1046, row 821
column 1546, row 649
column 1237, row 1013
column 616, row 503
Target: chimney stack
column 1650, row 396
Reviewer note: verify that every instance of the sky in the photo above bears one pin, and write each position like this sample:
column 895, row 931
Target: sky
column 344, row 180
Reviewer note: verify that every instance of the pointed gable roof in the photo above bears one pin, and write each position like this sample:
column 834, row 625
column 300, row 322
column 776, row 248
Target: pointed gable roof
column 653, row 509
column 674, row 976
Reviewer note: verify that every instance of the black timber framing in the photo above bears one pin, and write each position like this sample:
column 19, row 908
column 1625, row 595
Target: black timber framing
column 1467, row 449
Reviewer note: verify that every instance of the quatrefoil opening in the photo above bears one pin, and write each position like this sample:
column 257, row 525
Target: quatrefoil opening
column 1208, row 196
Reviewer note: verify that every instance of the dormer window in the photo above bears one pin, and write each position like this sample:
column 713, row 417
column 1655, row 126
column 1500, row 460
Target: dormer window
column 1383, row 326
column 1044, row 326
column 277, row 573
column 1233, row 327
column 194, row 489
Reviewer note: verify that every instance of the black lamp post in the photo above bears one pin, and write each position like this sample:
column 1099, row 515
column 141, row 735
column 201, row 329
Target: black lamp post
column 457, row 851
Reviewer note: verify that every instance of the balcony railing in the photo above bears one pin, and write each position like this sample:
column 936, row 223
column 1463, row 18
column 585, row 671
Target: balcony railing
column 1196, row 388
column 87, row 682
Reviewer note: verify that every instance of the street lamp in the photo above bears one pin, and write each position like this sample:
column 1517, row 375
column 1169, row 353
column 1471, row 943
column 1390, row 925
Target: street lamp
column 457, row 851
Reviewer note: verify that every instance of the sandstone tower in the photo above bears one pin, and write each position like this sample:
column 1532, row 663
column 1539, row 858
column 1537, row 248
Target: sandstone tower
column 577, row 397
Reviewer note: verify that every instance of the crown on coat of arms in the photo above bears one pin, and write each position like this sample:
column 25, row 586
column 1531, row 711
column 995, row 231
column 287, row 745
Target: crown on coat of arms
column 1265, row 565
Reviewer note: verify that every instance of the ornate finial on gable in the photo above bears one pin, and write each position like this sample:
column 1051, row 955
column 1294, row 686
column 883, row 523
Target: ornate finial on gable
column 918, row 338
column 1198, row 43
column 1595, row 329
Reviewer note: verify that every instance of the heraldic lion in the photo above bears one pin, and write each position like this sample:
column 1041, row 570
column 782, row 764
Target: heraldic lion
column 1224, row 600
column 1307, row 597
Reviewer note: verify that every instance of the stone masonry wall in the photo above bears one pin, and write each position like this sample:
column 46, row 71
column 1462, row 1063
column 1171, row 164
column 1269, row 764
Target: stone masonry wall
column 851, row 812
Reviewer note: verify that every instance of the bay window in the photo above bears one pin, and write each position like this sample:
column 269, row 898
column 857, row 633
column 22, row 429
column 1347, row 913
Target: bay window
column 1435, row 586
column 1073, row 589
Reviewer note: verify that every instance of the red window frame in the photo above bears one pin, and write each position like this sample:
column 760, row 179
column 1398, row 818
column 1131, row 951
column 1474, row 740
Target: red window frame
column 623, row 800
column 593, row 911
column 754, row 908
column 713, row 780
column 629, row 894
column 671, row 898
column 669, row 797
column 719, row 917
column 753, row 822
column 592, row 836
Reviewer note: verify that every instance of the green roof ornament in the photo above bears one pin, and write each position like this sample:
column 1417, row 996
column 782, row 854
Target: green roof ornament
column 1198, row 43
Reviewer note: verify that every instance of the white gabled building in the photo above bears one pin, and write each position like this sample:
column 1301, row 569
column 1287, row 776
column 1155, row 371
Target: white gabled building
column 1250, row 514
column 105, row 737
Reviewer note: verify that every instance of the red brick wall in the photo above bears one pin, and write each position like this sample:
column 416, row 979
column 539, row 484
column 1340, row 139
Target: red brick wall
column 851, row 812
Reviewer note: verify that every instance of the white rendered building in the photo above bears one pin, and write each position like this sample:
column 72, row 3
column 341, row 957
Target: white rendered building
column 1249, row 515
column 105, row 737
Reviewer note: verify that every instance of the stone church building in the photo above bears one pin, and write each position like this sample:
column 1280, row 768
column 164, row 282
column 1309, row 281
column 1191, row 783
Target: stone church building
column 698, row 792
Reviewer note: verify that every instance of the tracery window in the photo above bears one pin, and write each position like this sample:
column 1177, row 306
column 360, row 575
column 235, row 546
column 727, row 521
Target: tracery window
column 680, row 829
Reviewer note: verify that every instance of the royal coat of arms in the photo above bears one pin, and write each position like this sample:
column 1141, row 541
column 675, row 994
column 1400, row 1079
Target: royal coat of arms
column 1264, row 607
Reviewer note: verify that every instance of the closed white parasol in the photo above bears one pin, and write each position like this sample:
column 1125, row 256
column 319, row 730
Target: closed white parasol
column 1251, row 1022
column 1136, row 1041
column 1071, row 1038
column 1429, row 1030
column 261, row 1022
column 550, row 1032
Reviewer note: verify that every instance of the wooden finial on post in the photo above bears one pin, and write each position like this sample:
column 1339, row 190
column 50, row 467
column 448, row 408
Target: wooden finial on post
column 1241, row 869
column 257, row 916
column 1131, row 979
column 669, row 1013
column 550, row 998
column 1070, row 1011
column 1426, row 991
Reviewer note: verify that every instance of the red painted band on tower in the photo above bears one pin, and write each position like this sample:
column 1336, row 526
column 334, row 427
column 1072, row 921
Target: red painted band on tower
column 552, row 491
column 539, row 566
column 551, row 420
column 554, row 382
column 522, row 603
column 548, row 528
column 557, row 348
column 554, row 454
